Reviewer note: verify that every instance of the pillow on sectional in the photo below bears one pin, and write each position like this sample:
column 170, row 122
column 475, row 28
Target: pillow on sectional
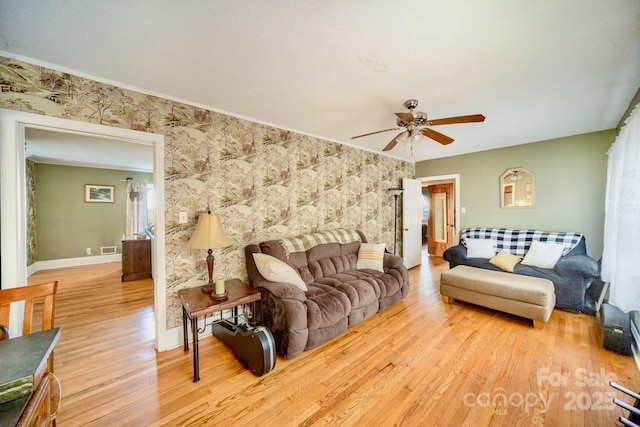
column 480, row 248
column 277, row 270
column 371, row 255
column 505, row 261
column 543, row 254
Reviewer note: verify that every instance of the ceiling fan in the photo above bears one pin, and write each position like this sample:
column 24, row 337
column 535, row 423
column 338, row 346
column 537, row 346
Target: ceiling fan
column 414, row 123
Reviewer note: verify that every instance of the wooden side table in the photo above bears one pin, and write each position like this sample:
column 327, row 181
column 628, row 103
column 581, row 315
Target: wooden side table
column 197, row 304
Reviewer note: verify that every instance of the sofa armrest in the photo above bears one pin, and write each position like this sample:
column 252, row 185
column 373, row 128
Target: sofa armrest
column 455, row 255
column 281, row 290
column 392, row 261
column 582, row 265
column 257, row 280
column 286, row 318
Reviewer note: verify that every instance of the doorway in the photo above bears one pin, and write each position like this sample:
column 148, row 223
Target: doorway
column 13, row 204
column 443, row 219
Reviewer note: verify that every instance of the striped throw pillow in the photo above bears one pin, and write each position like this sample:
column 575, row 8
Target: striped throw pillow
column 371, row 256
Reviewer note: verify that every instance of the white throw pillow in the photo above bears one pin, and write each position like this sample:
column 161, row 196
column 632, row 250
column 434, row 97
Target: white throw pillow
column 543, row 254
column 277, row 270
column 371, row 255
column 480, row 248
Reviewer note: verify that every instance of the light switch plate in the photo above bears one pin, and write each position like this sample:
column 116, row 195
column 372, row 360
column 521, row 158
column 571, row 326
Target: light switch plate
column 183, row 219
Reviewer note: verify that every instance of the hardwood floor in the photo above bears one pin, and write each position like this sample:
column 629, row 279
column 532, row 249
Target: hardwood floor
column 420, row 362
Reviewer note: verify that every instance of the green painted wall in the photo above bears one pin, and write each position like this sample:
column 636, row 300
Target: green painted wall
column 65, row 224
column 570, row 182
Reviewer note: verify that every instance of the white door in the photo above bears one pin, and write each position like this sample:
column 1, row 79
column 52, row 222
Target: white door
column 411, row 222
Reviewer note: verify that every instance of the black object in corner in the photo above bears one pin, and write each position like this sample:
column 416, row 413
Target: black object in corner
column 616, row 329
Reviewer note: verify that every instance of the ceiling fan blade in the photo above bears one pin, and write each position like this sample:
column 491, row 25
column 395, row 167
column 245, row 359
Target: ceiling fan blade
column 437, row 136
column 406, row 117
column 373, row 133
column 393, row 142
column 452, row 120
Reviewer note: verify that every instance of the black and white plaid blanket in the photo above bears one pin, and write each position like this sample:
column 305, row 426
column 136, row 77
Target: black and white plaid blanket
column 517, row 242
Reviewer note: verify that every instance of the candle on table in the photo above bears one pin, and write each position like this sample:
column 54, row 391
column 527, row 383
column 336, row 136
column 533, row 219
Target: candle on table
column 220, row 285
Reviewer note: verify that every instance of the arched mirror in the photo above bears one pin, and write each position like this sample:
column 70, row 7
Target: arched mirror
column 517, row 189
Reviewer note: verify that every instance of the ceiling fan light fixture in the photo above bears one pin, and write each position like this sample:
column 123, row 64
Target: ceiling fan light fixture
column 404, row 139
column 417, row 138
column 415, row 121
column 516, row 175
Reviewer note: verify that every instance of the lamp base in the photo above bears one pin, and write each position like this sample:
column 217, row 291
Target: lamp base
column 208, row 289
column 219, row 297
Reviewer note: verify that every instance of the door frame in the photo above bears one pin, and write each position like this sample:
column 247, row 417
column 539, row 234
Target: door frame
column 411, row 254
column 456, row 194
column 13, row 200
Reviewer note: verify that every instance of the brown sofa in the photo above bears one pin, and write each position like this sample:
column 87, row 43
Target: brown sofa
column 339, row 295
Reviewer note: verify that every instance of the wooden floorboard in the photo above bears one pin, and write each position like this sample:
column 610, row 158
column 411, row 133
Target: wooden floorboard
column 419, row 362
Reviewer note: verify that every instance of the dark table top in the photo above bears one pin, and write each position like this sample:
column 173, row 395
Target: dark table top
column 198, row 303
column 21, row 357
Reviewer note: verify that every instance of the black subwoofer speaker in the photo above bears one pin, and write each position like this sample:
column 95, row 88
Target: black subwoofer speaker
column 616, row 329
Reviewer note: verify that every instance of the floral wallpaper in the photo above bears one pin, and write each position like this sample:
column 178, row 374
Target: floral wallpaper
column 265, row 182
column 32, row 251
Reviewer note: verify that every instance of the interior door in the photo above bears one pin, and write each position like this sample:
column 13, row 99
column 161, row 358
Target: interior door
column 441, row 224
column 411, row 222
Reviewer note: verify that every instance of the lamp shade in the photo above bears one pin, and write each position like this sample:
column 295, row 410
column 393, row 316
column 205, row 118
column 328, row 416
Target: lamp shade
column 209, row 233
column 396, row 191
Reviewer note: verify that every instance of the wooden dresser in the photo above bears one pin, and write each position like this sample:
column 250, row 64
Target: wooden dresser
column 136, row 259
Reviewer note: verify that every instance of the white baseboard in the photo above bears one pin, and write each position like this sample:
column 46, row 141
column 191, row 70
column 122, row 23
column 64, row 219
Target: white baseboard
column 72, row 262
column 173, row 338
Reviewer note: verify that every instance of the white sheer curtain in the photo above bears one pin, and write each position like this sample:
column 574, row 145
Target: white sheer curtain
column 136, row 207
column 621, row 255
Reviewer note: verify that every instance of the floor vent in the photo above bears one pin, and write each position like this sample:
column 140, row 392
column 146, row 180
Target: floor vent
column 108, row 250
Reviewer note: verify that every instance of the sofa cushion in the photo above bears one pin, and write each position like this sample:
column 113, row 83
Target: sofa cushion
column 543, row 254
column 505, row 261
column 326, row 306
column 332, row 258
column 370, row 255
column 277, row 270
column 274, row 248
column 361, row 290
column 480, row 248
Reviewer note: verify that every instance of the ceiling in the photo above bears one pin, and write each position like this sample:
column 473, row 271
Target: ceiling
column 333, row 69
column 73, row 149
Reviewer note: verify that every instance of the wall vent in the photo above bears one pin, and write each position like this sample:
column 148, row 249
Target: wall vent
column 108, row 250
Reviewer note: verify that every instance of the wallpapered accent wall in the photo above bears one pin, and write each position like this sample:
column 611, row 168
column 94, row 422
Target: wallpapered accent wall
column 30, row 172
column 264, row 182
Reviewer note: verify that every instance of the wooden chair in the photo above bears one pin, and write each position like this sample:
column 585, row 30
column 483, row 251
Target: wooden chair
column 29, row 294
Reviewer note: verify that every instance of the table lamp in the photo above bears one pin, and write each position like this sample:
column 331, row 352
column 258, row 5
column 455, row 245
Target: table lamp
column 208, row 235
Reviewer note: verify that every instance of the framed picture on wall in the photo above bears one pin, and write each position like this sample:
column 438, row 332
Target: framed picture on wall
column 99, row 193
